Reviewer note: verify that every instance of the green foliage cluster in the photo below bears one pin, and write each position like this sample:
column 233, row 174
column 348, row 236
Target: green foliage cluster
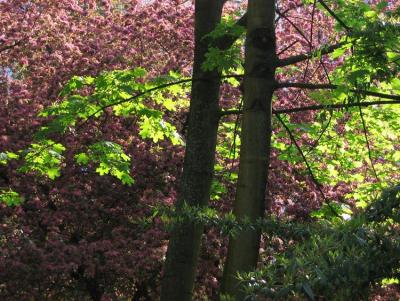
column 350, row 139
column 328, row 257
column 338, row 259
column 128, row 93
column 10, row 197
column 372, row 45
column 44, row 157
column 225, row 59
column 110, row 158
column 339, row 138
column 7, row 156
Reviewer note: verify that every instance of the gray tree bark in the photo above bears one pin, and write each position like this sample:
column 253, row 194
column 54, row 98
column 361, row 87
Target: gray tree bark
column 260, row 64
column 198, row 170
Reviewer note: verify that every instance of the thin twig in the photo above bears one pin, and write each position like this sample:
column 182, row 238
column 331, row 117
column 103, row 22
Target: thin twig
column 160, row 87
column 312, row 24
column 287, row 47
column 305, row 73
column 140, row 94
column 368, row 144
column 235, row 133
column 313, row 178
column 325, row 70
column 294, row 25
column 334, row 15
column 286, row 11
column 316, row 142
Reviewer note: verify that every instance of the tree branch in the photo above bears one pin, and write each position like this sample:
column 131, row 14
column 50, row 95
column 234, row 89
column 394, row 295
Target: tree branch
column 287, row 47
column 334, row 15
column 293, row 24
column 6, row 47
column 140, row 94
column 368, row 144
column 324, row 50
column 321, row 107
column 302, row 57
column 309, row 169
column 333, row 87
column 337, row 106
column 321, row 134
column 160, row 87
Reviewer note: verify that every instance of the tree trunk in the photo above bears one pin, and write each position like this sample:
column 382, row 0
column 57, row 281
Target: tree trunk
column 95, row 292
column 260, row 61
column 198, row 170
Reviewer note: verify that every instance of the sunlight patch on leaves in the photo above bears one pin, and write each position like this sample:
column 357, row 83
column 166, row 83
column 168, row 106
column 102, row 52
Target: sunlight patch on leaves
column 44, row 157
column 7, row 156
column 10, row 197
column 109, row 158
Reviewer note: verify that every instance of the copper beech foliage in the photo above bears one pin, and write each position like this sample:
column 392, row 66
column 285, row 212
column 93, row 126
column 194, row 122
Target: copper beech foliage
column 77, row 238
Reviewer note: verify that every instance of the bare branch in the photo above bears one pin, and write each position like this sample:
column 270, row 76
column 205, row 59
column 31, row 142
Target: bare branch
column 313, row 178
column 321, row 107
column 367, row 142
column 333, row 87
column 293, row 24
column 321, row 134
column 223, row 113
column 334, row 15
column 160, row 87
column 338, row 106
column 287, row 47
column 325, row 50
column 325, row 70
column 312, row 24
column 302, row 57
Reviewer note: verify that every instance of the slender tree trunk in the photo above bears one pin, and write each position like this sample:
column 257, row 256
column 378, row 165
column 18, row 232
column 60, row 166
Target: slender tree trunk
column 95, row 292
column 260, row 61
column 198, row 170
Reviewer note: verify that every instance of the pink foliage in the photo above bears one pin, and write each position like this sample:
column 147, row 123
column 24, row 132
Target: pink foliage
column 81, row 235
